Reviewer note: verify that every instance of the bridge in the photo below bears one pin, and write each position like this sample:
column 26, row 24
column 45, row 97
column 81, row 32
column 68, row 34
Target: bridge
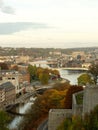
column 71, row 68
column 22, row 99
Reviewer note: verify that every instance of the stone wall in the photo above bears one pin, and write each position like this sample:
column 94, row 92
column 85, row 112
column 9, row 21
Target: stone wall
column 90, row 99
column 77, row 109
column 56, row 116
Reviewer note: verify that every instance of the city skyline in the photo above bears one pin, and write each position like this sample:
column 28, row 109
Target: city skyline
column 48, row 24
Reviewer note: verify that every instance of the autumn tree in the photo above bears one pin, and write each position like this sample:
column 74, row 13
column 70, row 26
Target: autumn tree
column 4, row 66
column 44, row 77
column 55, row 72
column 50, row 99
column 60, row 86
column 39, row 71
column 71, row 90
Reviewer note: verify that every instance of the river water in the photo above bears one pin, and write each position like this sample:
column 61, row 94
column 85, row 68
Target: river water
column 20, row 109
column 70, row 75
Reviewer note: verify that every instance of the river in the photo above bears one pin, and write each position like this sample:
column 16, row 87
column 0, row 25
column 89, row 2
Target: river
column 70, row 75
column 20, row 109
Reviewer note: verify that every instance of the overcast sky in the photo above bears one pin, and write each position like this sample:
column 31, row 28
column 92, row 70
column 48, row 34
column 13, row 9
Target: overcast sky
column 49, row 23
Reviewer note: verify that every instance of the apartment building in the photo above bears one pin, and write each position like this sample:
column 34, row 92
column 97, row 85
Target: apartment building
column 7, row 93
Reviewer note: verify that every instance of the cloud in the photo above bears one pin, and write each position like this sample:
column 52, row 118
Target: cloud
column 6, row 9
column 10, row 28
column 1, row 3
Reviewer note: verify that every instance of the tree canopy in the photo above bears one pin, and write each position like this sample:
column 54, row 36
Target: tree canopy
column 93, row 70
column 42, row 74
column 85, row 79
column 71, row 90
column 89, row 122
column 4, row 118
column 51, row 99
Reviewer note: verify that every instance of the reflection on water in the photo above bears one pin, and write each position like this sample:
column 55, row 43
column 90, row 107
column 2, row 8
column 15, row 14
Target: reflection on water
column 71, row 75
column 21, row 109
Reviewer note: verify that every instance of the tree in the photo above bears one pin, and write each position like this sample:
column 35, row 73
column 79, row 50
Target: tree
column 32, row 71
column 71, row 90
column 44, row 77
column 88, row 122
column 4, row 66
column 55, row 72
column 74, row 123
column 84, row 79
column 3, row 120
column 50, row 99
column 93, row 70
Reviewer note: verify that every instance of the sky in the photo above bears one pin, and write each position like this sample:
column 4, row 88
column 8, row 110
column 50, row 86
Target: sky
column 49, row 23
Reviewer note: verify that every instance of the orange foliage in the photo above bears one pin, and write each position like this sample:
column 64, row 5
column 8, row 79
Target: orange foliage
column 72, row 89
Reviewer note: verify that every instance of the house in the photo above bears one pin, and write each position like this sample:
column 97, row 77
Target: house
column 24, row 59
column 86, row 65
column 24, row 77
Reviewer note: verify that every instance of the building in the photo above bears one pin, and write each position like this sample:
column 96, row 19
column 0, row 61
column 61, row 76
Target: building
column 2, row 96
column 43, row 64
column 7, row 93
column 10, row 76
column 22, row 59
column 86, row 65
column 78, row 53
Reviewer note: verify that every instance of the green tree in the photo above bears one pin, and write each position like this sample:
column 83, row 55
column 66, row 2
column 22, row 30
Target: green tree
column 32, row 71
column 84, row 79
column 4, row 118
column 93, row 70
column 88, row 122
column 74, row 123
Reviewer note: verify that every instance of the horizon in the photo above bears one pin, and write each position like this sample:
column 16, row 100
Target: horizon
column 49, row 48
